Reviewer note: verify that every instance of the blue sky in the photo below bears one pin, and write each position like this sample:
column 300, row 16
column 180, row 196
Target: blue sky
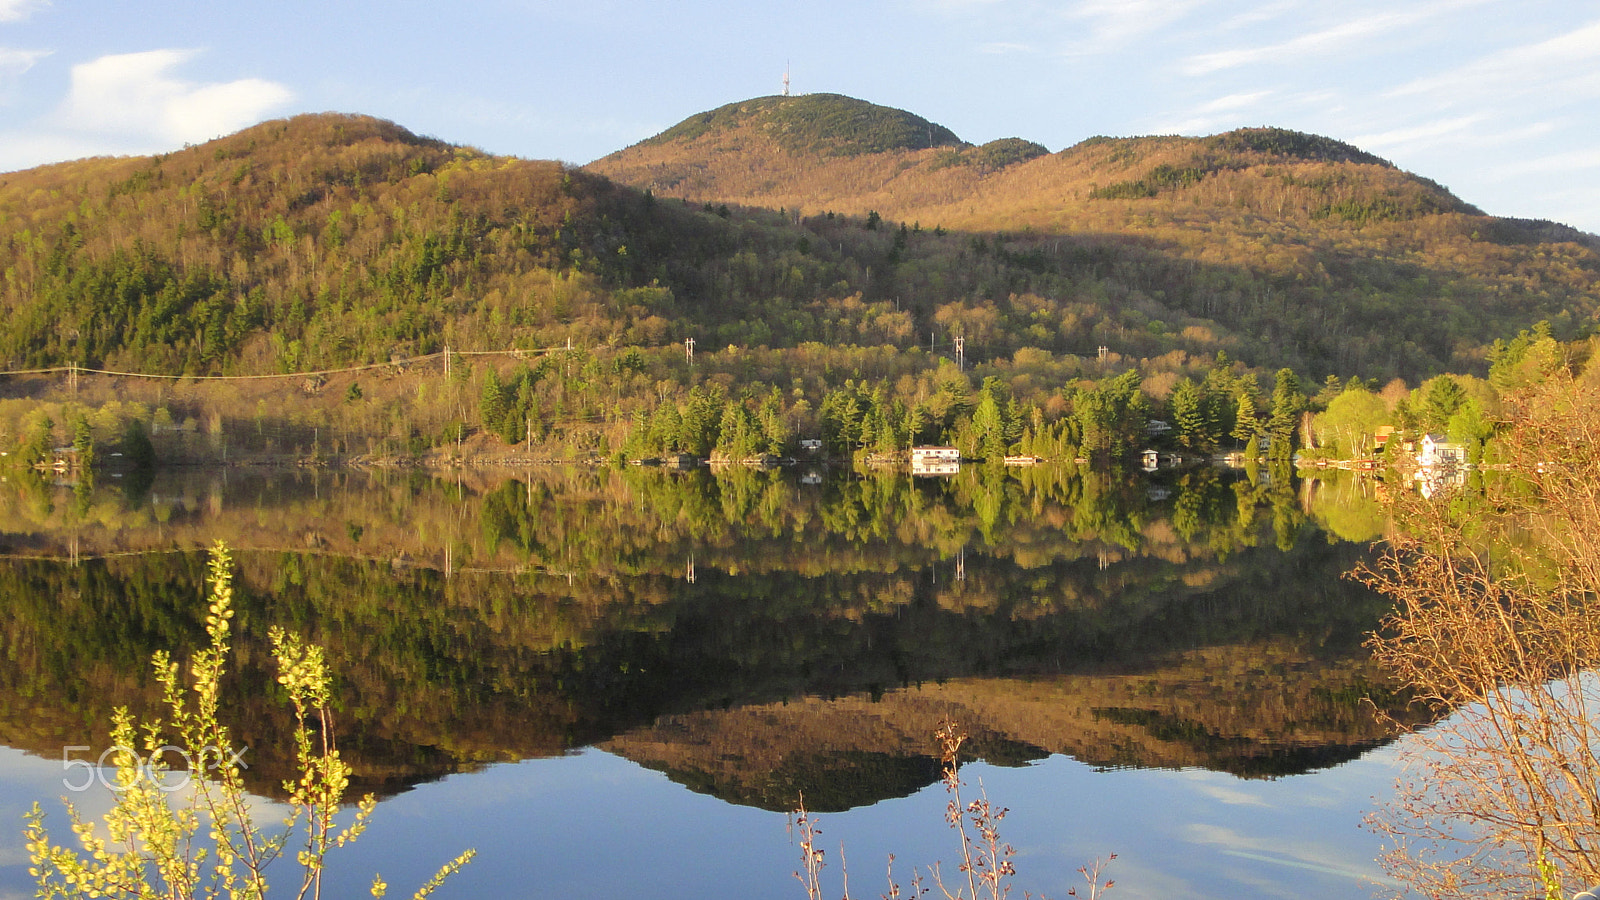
column 1497, row 99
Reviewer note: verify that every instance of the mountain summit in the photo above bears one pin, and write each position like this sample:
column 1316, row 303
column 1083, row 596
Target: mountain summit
column 851, row 156
column 827, row 124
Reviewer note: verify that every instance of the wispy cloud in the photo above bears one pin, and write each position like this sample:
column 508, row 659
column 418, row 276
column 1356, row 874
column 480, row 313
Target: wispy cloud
column 1426, row 134
column 1264, row 13
column 14, row 62
column 1228, row 111
column 1571, row 161
column 1337, row 37
column 13, row 10
column 1563, row 68
column 1316, row 43
column 13, row 65
column 1113, row 23
column 1004, row 48
column 1233, row 102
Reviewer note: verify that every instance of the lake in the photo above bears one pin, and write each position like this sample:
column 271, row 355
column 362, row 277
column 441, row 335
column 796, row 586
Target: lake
column 619, row 682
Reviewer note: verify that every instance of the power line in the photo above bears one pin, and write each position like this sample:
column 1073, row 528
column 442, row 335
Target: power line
column 73, row 371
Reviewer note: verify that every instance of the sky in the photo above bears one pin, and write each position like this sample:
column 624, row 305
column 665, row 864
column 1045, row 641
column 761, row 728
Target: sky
column 1498, row 100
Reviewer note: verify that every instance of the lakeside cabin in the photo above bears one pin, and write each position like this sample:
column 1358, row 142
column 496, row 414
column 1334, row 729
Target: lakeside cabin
column 1438, row 453
column 935, row 460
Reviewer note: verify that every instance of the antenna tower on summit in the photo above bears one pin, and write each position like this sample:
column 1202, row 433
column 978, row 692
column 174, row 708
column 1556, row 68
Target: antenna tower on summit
column 786, row 79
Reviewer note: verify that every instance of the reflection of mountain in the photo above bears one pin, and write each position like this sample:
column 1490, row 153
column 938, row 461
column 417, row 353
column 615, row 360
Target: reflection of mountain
column 1257, row 710
column 561, row 616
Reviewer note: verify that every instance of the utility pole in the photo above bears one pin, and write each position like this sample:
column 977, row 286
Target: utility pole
column 688, row 349
column 961, row 354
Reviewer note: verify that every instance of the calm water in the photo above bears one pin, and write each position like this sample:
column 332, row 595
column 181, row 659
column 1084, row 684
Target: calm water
column 615, row 683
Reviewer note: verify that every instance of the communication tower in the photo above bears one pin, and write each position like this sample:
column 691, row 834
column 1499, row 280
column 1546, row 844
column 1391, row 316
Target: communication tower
column 786, row 78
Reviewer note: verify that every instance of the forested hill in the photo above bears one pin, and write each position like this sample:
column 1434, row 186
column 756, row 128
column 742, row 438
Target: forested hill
column 1296, row 241
column 330, row 240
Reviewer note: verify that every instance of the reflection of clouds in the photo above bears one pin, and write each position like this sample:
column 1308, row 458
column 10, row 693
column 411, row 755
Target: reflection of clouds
column 1231, row 796
column 1312, row 857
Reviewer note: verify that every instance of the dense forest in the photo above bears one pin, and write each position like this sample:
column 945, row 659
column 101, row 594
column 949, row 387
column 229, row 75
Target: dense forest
column 1214, row 285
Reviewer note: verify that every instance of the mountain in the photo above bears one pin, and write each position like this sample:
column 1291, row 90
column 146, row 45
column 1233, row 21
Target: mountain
column 802, row 241
column 1305, row 244
column 825, row 151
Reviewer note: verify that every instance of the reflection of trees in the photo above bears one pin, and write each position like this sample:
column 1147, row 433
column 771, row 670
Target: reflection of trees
column 1344, row 503
column 1496, row 620
column 559, row 614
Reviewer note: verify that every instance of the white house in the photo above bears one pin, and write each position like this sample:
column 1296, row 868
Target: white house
column 935, row 460
column 1436, row 452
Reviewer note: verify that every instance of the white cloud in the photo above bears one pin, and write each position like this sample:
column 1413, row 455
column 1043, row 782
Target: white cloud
column 13, row 10
column 135, row 96
column 133, row 103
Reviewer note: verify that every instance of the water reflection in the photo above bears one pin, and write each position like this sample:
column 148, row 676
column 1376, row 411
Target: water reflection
column 748, row 634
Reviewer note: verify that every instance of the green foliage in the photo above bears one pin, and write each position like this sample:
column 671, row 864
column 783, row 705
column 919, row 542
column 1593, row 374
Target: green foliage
column 1287, row 405
column 1350, row 423
column 1294, row 144
column 136, row 446
column 998, row 154
column 1384, row 209
column 1527, row 360
column 1161, row 178
column 1441, row 398
column 992, row 156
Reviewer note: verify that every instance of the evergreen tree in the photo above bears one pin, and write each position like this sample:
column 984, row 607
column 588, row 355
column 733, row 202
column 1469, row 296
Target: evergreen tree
column 492, row 401
column 1246, row 421
column 1188, row 416
column 1287, row 404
